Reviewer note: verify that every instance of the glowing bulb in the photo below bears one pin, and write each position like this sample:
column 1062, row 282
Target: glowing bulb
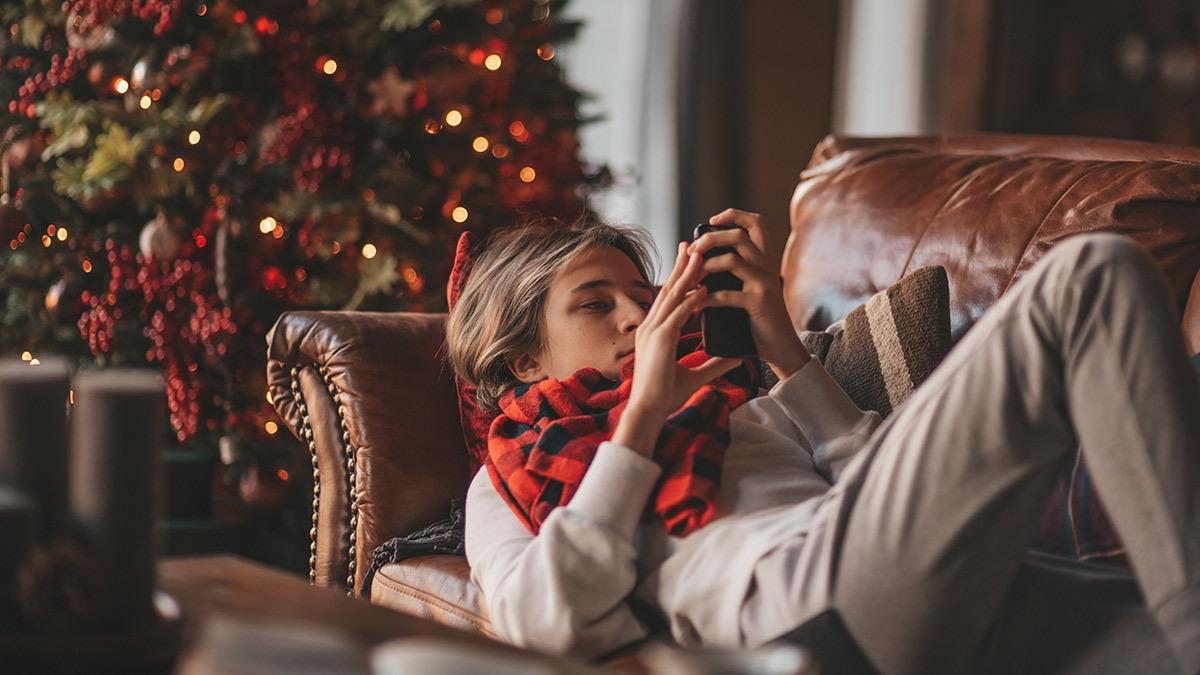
column 145, row 102
column 25, row 356
column 178, row 164
column 329, row 67
column 545, row 52
column 271, row 427
column 493, row 62
column 369, row 251
column 266, row 225
column 34, row 362
column 120, row 85
column 86, row 265
column 454, row 118
column 459, row 214
column 480, row 144
column 46, row 240
column 528, row 174
column 517, row 128
column 194, row 137
column 62, row 234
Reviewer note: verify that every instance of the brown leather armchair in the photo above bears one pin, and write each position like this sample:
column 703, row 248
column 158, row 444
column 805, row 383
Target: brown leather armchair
column 375, row 403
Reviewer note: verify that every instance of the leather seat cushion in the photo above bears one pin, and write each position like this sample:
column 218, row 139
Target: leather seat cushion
column 436, row 587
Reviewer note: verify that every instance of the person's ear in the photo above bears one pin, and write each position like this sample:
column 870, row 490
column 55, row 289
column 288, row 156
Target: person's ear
column 527, row 369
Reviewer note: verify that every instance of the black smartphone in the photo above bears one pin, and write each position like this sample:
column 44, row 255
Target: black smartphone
column 726, row 330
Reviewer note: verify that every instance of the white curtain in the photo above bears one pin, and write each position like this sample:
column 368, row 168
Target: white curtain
column 628, row 57
column 883, row 80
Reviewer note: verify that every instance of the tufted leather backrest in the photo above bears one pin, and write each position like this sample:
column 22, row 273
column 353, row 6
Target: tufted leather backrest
column 986, row 207
column 372, row 397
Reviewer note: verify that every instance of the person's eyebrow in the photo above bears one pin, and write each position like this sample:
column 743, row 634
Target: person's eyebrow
column 606, row 283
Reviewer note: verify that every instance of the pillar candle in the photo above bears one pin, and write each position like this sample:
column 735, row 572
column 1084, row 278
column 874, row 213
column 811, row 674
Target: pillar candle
column 115, row 434
column 33, row 436
column 16, row 540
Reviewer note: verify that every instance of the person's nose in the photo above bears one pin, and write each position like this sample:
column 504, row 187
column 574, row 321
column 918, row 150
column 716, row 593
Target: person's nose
column 632, row 315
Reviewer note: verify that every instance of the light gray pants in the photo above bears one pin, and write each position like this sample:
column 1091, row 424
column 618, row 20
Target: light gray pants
column 936, row 513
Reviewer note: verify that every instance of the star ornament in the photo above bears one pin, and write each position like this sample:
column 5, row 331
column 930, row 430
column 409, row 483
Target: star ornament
column 391, row 93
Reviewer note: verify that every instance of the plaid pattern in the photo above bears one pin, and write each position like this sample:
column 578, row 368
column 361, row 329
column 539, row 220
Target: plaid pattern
column 541, row 445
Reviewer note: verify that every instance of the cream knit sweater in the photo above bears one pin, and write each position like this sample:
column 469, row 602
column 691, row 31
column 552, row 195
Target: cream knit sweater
column 568, row 589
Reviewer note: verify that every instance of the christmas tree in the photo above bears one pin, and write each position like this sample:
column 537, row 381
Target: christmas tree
column 175, row 174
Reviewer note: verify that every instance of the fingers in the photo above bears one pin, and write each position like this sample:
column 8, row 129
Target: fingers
column 751, row 222
column 740, row 240
column 715, row 366
column 752, row 276
column 679, row 315
column 738, row 299
column 670, row 297
column 681, row 259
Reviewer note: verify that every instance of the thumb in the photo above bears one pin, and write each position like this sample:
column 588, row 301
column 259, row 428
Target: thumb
column 715, row 367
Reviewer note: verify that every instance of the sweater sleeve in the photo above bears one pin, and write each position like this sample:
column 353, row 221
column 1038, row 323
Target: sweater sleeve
column 832, row 424
column 564, row 590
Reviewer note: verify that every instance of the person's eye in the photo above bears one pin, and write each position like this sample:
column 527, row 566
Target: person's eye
column 646, row 305
column 596, row 306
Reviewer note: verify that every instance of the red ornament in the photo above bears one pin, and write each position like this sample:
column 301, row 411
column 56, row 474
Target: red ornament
column 273, row 279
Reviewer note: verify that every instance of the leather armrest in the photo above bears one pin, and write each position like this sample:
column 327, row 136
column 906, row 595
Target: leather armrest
column 374, row 401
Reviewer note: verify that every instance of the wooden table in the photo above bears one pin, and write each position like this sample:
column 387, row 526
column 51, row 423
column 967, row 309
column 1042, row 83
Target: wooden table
column 230, row 586
column 211, row 588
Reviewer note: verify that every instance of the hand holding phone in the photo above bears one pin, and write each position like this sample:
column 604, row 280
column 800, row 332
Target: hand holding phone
column 726, row 330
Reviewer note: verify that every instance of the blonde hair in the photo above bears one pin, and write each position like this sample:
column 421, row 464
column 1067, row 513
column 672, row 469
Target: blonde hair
column 499, row 315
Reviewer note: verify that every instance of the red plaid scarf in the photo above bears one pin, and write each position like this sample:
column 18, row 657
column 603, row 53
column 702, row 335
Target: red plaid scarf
column 548, row 432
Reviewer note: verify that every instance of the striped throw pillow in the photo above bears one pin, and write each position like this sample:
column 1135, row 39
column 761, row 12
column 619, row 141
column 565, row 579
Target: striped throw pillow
column 885, row 348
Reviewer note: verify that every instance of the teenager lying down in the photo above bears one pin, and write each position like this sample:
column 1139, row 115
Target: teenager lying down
column 623, row 477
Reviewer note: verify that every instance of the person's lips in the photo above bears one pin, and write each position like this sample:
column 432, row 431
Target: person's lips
column 624, row 355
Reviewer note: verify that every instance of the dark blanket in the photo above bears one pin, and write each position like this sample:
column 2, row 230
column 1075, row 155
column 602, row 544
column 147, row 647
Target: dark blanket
column 443, row 537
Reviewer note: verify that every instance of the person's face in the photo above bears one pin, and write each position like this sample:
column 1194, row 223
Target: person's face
column 594, row 305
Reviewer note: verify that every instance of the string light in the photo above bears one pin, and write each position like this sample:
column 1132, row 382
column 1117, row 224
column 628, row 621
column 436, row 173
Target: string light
column 480, row 144
column 432, row 126
column 120, row 85
column 546, row 52
column 368, row 251
column 327, row 65
column 155, row 94
column 202, row 10
column 336, row 248
column 178, row 164
column 86, row 265
column 62, row 234
column 283, row 475
column 266, row 225
column 493, row 62
column 46, row 240
column 50, row 229
column 271, row 427
column 459, row 214
column 34, row 362
column 145, row 102
column 277, row 231
column 528, row 174
column 194, row 137
column 494, row 16
column 499, row 151
column 25, row 356
column 454, row 118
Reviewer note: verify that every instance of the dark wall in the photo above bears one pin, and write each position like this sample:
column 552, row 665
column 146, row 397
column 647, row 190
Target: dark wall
column 757, row 96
